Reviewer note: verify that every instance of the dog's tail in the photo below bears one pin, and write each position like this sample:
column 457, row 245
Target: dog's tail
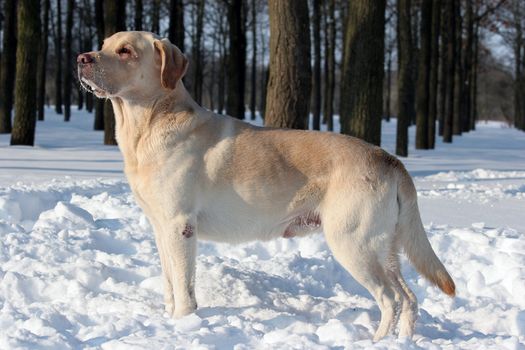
column 413, row 237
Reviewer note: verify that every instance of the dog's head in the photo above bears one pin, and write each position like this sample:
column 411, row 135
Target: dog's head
column 132, row 65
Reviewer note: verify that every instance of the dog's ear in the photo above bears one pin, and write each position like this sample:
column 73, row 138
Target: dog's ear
column 174, row 63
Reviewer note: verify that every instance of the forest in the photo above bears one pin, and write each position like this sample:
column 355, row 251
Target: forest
column 441, row 65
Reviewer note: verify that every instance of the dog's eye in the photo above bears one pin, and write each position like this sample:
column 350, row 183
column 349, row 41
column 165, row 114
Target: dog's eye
column 123, row 51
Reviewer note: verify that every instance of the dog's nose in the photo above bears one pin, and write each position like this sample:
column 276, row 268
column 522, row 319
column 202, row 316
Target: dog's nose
column 85, row 58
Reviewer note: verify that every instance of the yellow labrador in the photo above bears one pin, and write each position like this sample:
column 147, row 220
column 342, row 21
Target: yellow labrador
column 201, row 175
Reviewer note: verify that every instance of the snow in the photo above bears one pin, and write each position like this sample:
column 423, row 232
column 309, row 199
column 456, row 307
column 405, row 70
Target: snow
column 79, row 267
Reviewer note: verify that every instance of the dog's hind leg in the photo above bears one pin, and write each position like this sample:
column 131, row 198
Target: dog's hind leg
column 408, row 315
column 355, row 251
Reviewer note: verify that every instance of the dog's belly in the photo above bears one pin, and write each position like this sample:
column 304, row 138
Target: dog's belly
column 221, row 227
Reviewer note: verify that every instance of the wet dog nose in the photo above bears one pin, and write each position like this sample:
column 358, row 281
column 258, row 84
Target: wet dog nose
column 85, row 58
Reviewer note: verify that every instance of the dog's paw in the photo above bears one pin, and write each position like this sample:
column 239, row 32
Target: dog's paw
column 183, row 311
column 169, row 308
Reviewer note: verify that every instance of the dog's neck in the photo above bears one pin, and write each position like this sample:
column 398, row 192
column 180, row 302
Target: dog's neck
column 174, row 112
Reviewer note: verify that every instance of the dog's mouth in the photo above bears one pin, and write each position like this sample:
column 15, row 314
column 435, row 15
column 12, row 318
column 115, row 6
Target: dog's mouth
column 90, row 86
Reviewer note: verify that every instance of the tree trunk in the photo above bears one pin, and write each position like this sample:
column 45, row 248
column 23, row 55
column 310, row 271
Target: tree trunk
column 434, row 70
column 42, row 59
column 468, row 58
column 388, row 87
column 329, row 67
column 423, row 82
column 139, row 10
column 290, row 71
column 458, row 96
column 236, row 60
column 58, row 58
column 253, row 90
column 363, row 70
column 155, row 16
column 265, row 76
column 68, row 64
column 114, row 21
column 197, row 53
column 7, row 76
column 99, row 104
column 23, row 132
column 474, row 85
column 316, row 98
column 176, row 29
column 443, row 85
column 87, row 44
column 450, row 18
column 404, row 76
column 518, row 73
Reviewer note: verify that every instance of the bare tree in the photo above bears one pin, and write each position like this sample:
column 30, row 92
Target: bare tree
column 176, row 28
column 139, row 10
column 363, row 70
column 316, row 98
column 236, row 59
column 99, row 21
column 7, row 76
column 404, row 77
column 198, row 64
column 114, row 21
column 329, row 64
column 434, row 69
column 42, row 60
column 450, row 38
column 58, row 57
column 290, row 71
column 423, row 83
column 23, row 132
column 253, row 89
column 68, row 62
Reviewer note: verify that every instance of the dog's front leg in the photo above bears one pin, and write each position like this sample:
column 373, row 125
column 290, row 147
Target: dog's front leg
column 179, row 246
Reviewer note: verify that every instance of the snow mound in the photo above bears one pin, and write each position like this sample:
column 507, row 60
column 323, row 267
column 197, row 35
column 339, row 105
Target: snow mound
column 79, row 269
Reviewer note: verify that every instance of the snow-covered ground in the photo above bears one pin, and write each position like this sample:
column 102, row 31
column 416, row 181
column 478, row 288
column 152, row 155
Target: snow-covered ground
column 79, row 266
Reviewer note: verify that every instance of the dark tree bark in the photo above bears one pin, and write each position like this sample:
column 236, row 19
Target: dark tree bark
column 518, row 65
column 23, row 132
column 253, row 90
column 474, row 85
column 434, row 70
column 316, row 98
column 363, row 70
column 450, row 33
column 81, row 28
column 236, row 60
column 139, row 10
column 468, row 58
column 114, row 21
column 329, row 65
column 423, row 86
column 222, row 69
column 265, row 76
column 7, row 76
column 58, row 57
column 404, row 79
column 42, row 59
column 460, row 93
column 87, row 44
column 99, row 104
column 443, row 71
column 290, row 71
column 68, row 64
column 176, row 28
column 388, row 96
column 197, row 52
column 155, row 16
